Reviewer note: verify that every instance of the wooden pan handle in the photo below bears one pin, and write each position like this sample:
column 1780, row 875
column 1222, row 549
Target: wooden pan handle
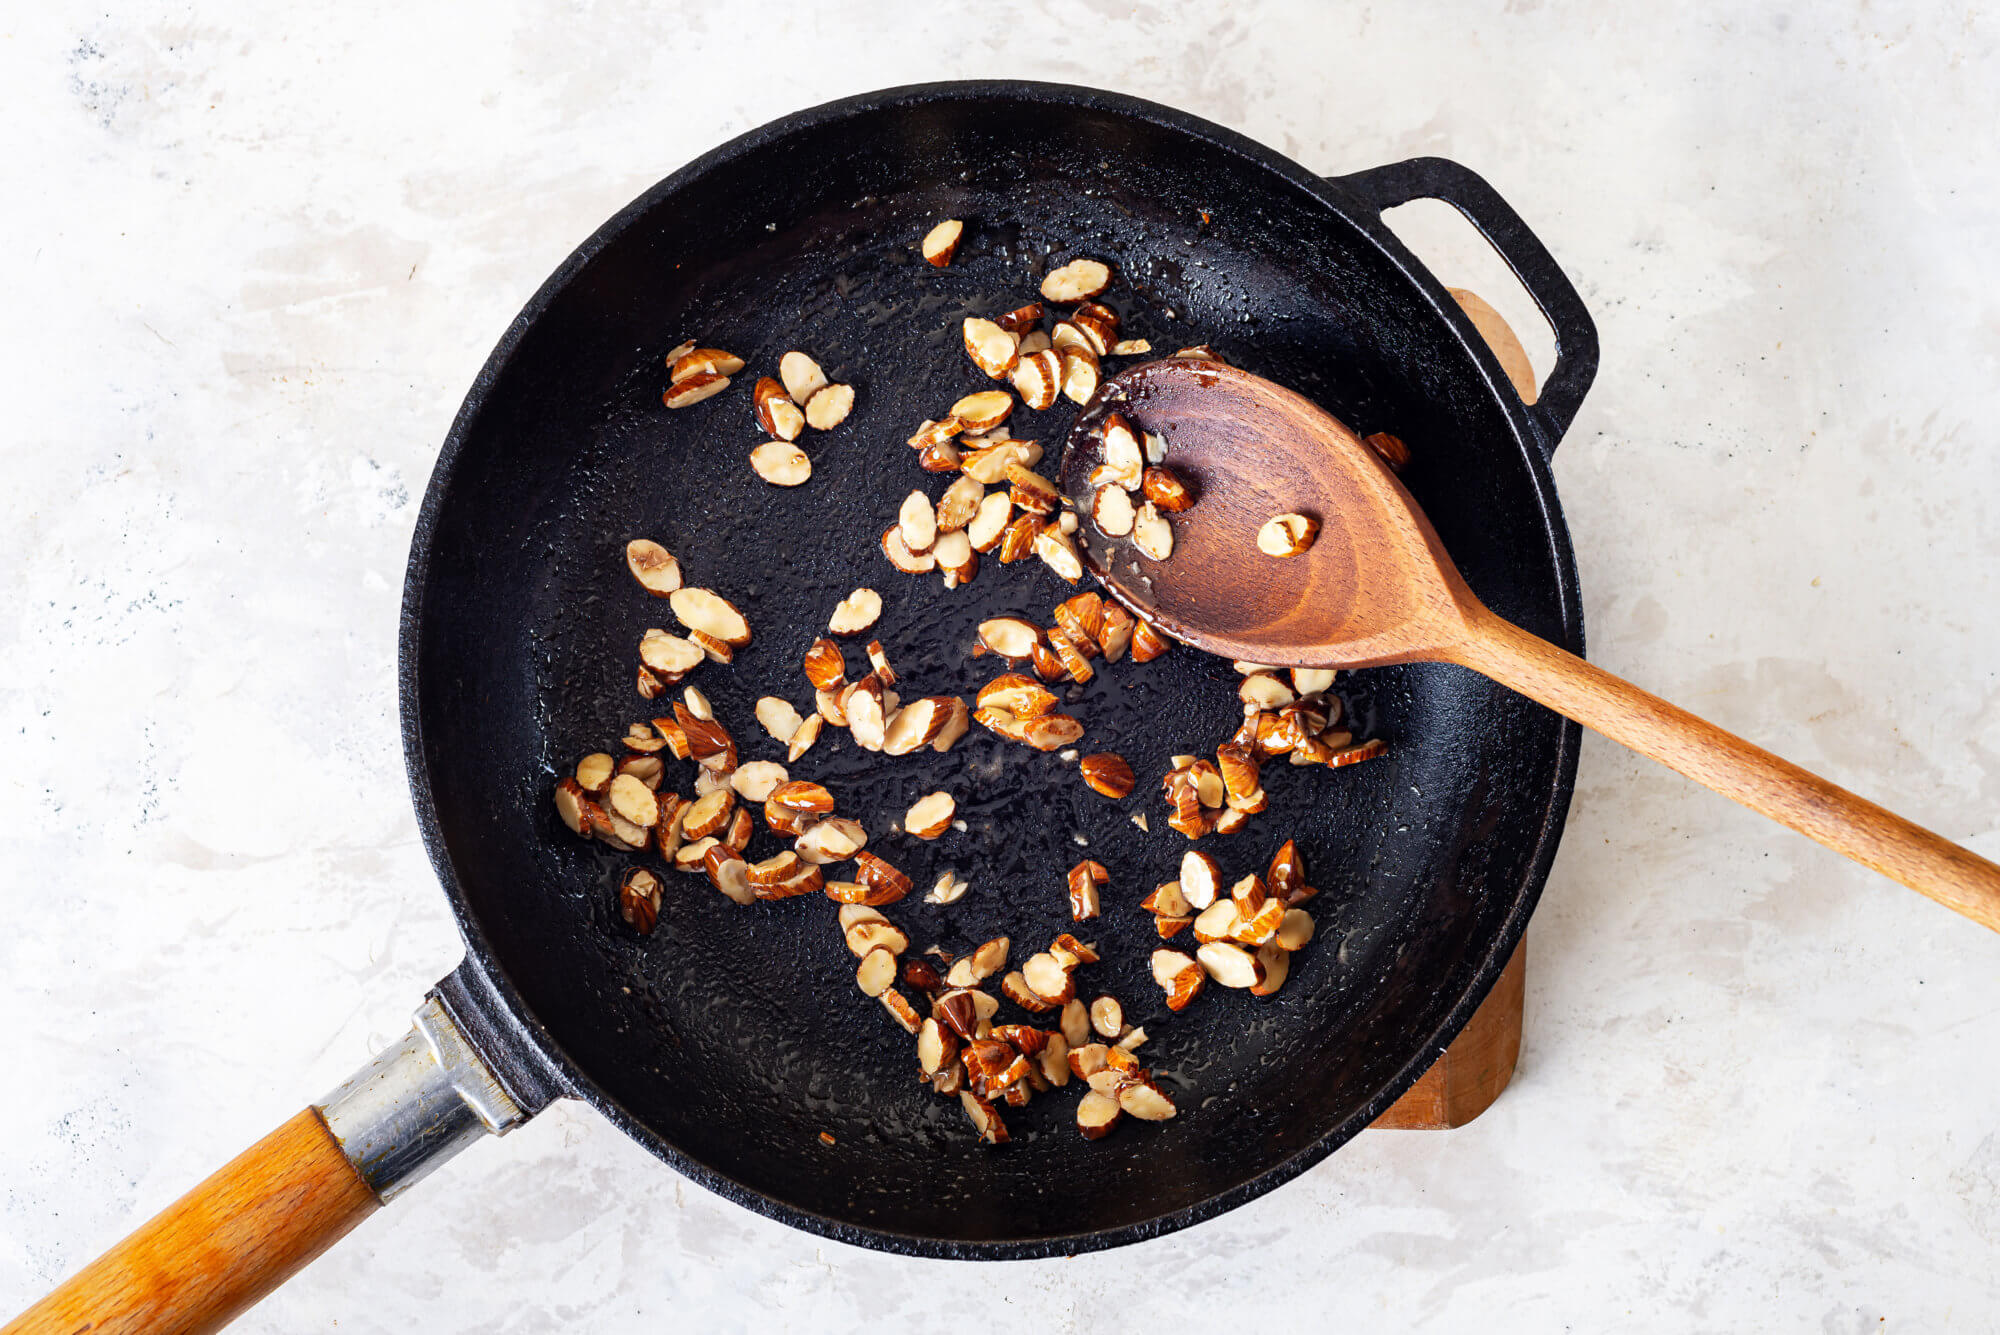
column 200, row 1262
column 1849, row 825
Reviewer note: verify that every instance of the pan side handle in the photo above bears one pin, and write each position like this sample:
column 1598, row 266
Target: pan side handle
column 212, row 1254
column 1383, row 188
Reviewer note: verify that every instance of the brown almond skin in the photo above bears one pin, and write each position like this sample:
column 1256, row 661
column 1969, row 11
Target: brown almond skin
column 1017, row 540
column 639, row 900
column 1109, row 773
column 880, row 877
column 1287, row 871
column 1164, row 488
column 1147, row 643
column 1021, row 319
column 1392, row 449
column 803, row 796
column 826, row 665
column 921, row 974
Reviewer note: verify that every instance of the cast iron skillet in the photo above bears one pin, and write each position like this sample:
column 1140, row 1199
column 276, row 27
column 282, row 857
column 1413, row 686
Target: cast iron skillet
column 731, row 1038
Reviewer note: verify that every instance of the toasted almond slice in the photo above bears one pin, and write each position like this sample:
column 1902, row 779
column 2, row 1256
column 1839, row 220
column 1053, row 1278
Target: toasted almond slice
column 1109, row 773
column 653, row 566
column 776, row 412
column 942, row 457
column 1179, row 977
column 712, row 614
column 830, row 705
column 1018, row 992
column 921, row 974
column 916, row 725
column 1051, row 732
column 960, row 974
column 1009, row 637
column 708, row 815
column 574, row 806
column 959, row 504
column 1018, row 695
column 649, row 770
column 697, row 361
column 941, row 242
column 1085, row 900
column 1114, row 635
column 867, row 714
column 900, row 1010
column 707, row 780
column 987, row 464
column 649, row 684
column 757, row 780
column 1034, row 341
column 1131, row 347
column 690, row 857
column 825, row 665
column 879, row 875
column 778, row 718
column 986, row 959
column 1249, row 895
column 935, row 433
column 1021, row 319
column 1046, row 977
column 668, row 656
column 1122, row 454
column 1276, row 963
column 728, row 872
column 865, row 934
column 594, row 772
column 1144, row 1100
column 1100, row 322
column 801, row 376
column 678, row 351
column 1075, row 664
column 956, row 559
column 716, row 651
column 1229, row 964
column 856, row 612
column 1167, row 900
column 832, row 839
column 1147, row 642
column 1351, row 755
column 1067, row 334
column 1287, row 534
column 803, row 796
column 988, row 522
column 852, row 915
column 776, row 869
column 639, row 900
column 1112, row 511
column 1240, row 775
column 1069, row 951
column 1030, row 491
column 1096, row 1115
column 1037, row 378
column 1075, row 1023
column 780, row 463
column 1165, row 489
column 1017, row 539
column 957, row 722
column 878, row 659
column 985, row 410
column 741, row 827
column 1079, row 374
column 985, row 1118
column 1201, row 880
column 930, row 816
column 803, row 739
column 697, row 704
column 992, row 349
column 1313, row 681
column 1079, row 280
column 829, row 407
column 937, row 1046
column 692, row 390
column 1208, row 783
column 1107, row 1017
column 948, row 890
column 957, row 1011
column 1152, row 534
column 1058, row 552
column 917, row 520
column 875, row 973
column 633, row 800
column 1392, row 449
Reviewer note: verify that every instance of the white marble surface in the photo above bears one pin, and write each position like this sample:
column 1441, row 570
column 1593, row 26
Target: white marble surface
column 251, row 255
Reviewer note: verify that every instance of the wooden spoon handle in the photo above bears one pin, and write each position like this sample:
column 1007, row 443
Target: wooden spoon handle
column 1849, row 825
column 201, row 1261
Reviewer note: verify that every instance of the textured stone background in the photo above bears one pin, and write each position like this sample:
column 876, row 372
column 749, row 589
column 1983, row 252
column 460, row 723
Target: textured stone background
column 253, row 254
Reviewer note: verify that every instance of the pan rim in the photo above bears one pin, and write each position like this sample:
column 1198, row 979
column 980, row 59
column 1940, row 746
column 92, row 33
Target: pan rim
column 520, row 1020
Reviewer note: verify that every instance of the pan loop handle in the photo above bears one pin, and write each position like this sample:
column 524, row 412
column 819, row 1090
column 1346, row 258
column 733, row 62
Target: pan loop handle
column 1383, row 188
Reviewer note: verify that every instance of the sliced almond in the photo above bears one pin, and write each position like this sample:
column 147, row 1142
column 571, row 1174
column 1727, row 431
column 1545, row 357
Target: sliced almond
column 708, row 815
column 916, row 725
column 1075, row 664
column 634, row 801
column 1147, row 642
column 941, row 242
column 1058, row 552
column 1079, row 374
column 942, row 457
column 781, row 464
column 867, row 712
column 1180, row 977
column 1046, row 977
column 1075, row 1023
column 1109, row 773
column 829, row 840
column 1168, row 900
column 1017, row 991
column 1392, row 449
column 917, row 520
column 829, row 407
column 1259, row 926
column 595, row 771
column 1201, row 880
column 1313, row 681
column 1287, row 534
column 937, row 1046
column 897, row 549
column 984, row 410
column 757, row 780
column 900, row 1010
column 801, row 376
column 1051, row 732
column 638, row 901
column 1230, row 965
column 1030, row 491
column 1009, row 637
column 649, row 770
column 985, row 1118
column 935, row 433
column 1017, row 540
column 875, row 973
column 1165, row 489
column 956, row 558
column 574, row 806
column 712, row 614
column 1086, row 881
column 992, row 349
column 1019, row 695
column 697, row 361
column 678, row 351
column 930, row 816
column 1079, row 280
column 856, row 612
column 697, row 704
column 1037, row 378
column 1122, row 455
column 956, row 724
column 830, row 707
column 1131, row 347
column 988, row 522
column 865, row 934
column 741, row 827
column 1096, row 1115
column 1353, row 755
column 802, row 740
column 776, row 412
column 701, row 385
column 1152, row 534
column 653, row 566
column 778, row 718
column 670, row 657
column 825, row 665
column 776, row 869
column 1144, row 1100
column 1107, row 1017
column 1112, row 511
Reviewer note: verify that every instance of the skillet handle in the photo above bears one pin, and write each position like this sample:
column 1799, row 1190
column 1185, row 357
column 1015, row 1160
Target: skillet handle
column 1385, row 187
column 207, row 1258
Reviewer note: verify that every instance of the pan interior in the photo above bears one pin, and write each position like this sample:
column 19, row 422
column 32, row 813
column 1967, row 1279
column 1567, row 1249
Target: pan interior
column 733, row 1037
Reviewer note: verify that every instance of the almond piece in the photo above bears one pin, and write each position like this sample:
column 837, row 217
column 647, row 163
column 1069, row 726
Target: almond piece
column 937, row 1047
column 801, row 376
column 900, row 556
column 1086, row 881
column 855, row 613
column 1147, row 642
column 1230, row 965
column 1260, row 926
column 1167, row 900
column 741, row 827
column 829, row 705
column 984, row 1116
column 1313, row 681
column 1109, row 773
column 803, row 796
column 1287, row 534
column 1017, row 991
column 639, row 900
column 941, row 242
column 802, row 740
column 959, row 504
column 669, row 657
column 867, row 708
column 708, row 815
column 633, row 800
column 879, row 876
column 1392, row 449
column 1201, row 880
column 710, row 613
column 829, row 407
column 689, row 858
column 1079, row 374
column 776, row 412
column 1170, row 925
column 1050, row 732
column 866, row 935
column 757, row 780
column 1058, row 552
column 987, row 463
column 918, row 724
column 1079, row 280
column 1249, row 895
column 1144, row 1100
column 1115, row 632
column 956, row 559
column 984, row 410
column 875, row 973
column 696, row 361
column 988, row 522
column 1017, row 540
column 1021, row 696
column 649, row 770
column 1354, row 755
column 930, row 816
column 917, row 519
column 649, row 684
column 1295, row 929
column 1046, row 977
column 1030, row 491
column 1122, row 456
column 1180, row 977
column 1240, row 776
column 1112, row 512
column 932, row 434
column 653, row 566
column 701, row 385
column 942, row 457
column 825, row 665
column 1099, row 324
column 1165, row 489
column 678, row 351
column 1131, row 347
column 1096, row 1115
column 778, row 718
column 1075, row 664
column 1068, row 334
column 900, row 1010
column 993, row 350
column 728, row 872
column 780, row 463
column 829, row 840
column 1152, row 534
column 594, row 772
column 1009, row 637
column 1037, row 378
column 697, row 704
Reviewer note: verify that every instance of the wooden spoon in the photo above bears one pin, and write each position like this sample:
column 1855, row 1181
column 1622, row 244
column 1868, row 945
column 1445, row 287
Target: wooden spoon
column 1377, row 587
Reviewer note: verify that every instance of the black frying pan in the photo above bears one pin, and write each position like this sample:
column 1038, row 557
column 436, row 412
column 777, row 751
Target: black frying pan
column 731, row 1038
